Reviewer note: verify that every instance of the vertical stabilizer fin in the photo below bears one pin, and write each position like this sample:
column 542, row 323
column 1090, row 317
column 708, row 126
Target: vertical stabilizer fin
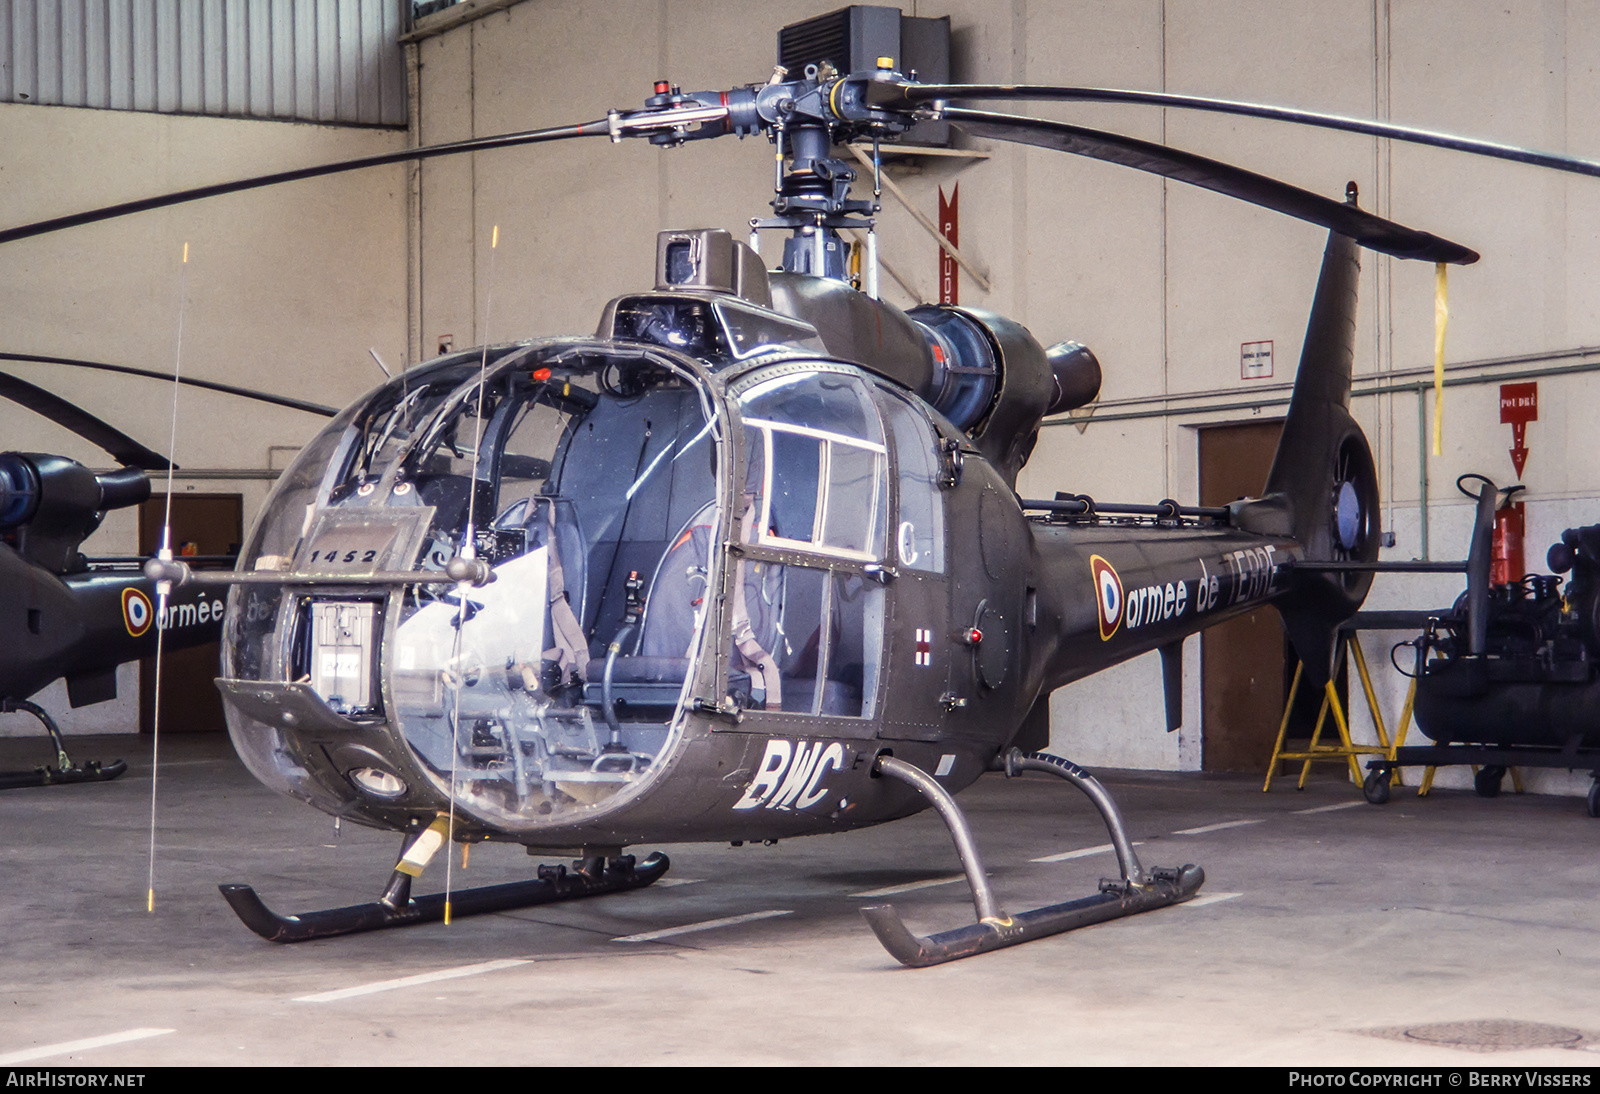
column 1172, row 683
column 1323, row 482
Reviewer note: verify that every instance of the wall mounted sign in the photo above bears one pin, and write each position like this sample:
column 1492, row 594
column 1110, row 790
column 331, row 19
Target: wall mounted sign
column 949, row 225
column 1519, row 405
column 1255, row 361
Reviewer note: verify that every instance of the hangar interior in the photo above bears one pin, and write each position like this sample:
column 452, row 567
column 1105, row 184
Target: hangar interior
column 1195, row 305
column 295, row 288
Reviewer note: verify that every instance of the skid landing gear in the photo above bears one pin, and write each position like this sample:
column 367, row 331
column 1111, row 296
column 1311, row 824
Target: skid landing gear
column 65, row 770
column 397, row 908
column 1138, row 890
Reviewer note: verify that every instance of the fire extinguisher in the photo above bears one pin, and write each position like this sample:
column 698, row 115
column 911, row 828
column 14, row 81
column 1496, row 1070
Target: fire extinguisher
column 1507, row 562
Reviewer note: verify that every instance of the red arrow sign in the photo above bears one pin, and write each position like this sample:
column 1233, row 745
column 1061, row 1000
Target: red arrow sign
column 1519, row 405
column 949, row 224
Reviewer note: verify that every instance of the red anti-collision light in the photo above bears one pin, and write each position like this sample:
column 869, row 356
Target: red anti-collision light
column 662, row 86
column 974, row 636
column 541, row 374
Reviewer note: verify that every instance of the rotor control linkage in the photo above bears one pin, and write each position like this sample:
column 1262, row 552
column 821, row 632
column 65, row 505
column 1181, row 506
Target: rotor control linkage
column 1138, row 890
column 65, row 771
column 592, row 876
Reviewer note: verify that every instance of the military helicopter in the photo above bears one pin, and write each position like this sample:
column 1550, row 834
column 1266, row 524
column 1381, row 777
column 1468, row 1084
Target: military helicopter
column 710, row 573
column 66, row 615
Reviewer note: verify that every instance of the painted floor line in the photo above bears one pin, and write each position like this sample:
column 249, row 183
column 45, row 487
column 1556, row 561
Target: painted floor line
column 1208, row 898
column 64, row 1048
column 1082, row 852
column 1328, row 808
column 669, row 882
column 411, row 981
column 1204, row 828
column 911, row 886
column 707, row 925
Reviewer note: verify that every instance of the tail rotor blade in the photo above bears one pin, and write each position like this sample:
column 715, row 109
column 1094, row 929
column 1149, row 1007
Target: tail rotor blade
column 1346, row 219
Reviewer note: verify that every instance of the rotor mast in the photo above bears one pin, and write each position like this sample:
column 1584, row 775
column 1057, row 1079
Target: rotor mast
column 804, row 119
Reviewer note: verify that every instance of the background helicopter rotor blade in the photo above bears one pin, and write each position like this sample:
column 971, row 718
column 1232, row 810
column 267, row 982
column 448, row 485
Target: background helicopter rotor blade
column 478, row 144
column 1366, row 229
column 209, row 385
column 123, row 448
column 905, row 94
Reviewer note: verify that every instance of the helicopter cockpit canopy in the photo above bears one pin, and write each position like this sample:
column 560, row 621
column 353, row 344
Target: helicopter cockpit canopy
column 597, row 482
column 570, row 470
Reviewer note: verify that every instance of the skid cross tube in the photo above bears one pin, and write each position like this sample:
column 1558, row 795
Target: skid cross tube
column 1138, row 890
column 554, row 884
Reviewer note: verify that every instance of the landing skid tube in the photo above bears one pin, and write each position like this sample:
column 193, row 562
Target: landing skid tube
column 555, row 883
column 65, row 770
column 1136, row 891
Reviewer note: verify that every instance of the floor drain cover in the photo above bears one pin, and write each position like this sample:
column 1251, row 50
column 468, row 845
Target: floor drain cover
column 1494, row 1033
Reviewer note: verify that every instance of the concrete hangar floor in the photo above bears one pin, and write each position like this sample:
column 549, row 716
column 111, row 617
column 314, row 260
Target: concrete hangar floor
column 1445, row 931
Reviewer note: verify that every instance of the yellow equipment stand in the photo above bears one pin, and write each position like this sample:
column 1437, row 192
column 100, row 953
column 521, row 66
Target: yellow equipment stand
column 1345, row 750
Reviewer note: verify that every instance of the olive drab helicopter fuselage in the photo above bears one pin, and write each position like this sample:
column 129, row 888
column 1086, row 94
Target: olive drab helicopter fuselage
column 715, row 572
column 800, row 563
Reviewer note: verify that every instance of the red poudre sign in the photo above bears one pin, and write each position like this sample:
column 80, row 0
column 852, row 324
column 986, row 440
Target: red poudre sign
column 949, row 227
column 1519, row 405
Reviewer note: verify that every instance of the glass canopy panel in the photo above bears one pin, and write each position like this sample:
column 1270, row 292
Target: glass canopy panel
column 807, row 638
column 919, row 536
column 586, row 481
column 823, row 464
column 588, row 476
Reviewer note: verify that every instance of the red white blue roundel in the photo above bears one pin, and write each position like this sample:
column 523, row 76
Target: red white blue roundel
column 137, row 614
column 1108, row 595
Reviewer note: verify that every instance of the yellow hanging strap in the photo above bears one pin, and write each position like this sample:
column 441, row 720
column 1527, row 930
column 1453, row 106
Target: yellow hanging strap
column 1441, row 319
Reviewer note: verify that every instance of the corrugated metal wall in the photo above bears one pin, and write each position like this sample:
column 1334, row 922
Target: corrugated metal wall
column 334, row 61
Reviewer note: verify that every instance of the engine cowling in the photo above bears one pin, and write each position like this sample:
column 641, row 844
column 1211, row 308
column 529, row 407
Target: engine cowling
column 50, row 504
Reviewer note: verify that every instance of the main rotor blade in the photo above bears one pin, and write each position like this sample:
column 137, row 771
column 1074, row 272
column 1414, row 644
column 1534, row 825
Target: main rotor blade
column 1370, row 231
column 478, row 144
column 209, row 385
column 123, row 448
column 917, row 93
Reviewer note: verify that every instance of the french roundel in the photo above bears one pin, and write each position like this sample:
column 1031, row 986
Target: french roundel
column 136, row 612
column 1108, row 595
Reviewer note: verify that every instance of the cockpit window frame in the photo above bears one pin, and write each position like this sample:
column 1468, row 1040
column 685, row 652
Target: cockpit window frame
column 818, row 545
column 779, row 549
column 836, row 563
